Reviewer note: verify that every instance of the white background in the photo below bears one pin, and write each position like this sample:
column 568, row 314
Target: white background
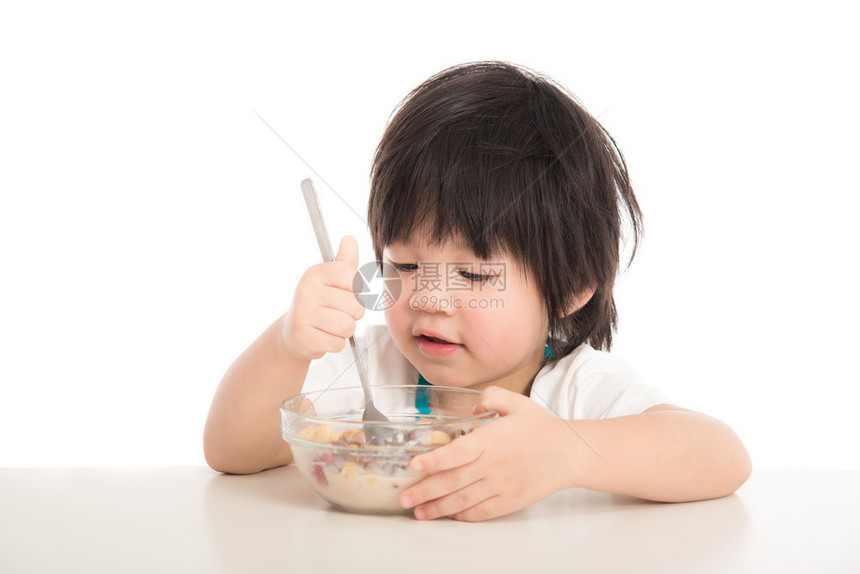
column 151, row 224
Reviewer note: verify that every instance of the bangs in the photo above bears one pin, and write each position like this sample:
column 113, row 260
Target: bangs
column 453, row 189
column 473, row 171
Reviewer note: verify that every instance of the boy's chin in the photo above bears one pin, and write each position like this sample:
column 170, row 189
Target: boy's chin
column 459, row 383
column 440, row 378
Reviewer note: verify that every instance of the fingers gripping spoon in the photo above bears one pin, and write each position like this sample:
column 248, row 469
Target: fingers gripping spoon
column 371, row 413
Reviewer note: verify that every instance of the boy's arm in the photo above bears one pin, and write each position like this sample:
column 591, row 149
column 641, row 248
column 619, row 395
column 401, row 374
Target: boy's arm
column 664, row 454
column 243, row 433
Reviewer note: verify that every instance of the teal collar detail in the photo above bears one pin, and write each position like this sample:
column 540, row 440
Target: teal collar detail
column 422, row 397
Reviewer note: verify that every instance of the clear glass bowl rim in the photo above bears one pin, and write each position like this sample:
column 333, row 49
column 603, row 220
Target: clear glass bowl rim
column 487, row 415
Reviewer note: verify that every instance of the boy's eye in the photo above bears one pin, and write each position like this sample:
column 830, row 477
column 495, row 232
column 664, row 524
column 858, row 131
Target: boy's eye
column 404, row 267
column 475, row 277
column 434, row 270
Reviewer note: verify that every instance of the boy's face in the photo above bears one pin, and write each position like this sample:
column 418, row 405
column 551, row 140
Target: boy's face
column 466, row 322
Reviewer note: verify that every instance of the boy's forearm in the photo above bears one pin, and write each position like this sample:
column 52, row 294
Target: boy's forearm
column 242, row 433
column 664, row 454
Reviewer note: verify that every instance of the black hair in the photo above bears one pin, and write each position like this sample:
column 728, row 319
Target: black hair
column 509, row 161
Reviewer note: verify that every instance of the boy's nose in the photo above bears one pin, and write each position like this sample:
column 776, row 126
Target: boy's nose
column 431, row 302
column 428, row 290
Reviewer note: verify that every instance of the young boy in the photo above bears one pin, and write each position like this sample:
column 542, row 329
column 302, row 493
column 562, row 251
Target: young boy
column 500, row 179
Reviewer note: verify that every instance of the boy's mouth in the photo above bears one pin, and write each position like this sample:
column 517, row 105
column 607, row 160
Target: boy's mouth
column 434, row 346
column 435, row 339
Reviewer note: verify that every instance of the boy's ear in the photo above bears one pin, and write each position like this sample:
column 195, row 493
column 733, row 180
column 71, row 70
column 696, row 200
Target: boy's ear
column 579, row 301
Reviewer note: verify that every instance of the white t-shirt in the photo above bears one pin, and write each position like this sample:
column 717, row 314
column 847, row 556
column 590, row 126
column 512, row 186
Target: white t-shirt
column 586, row 384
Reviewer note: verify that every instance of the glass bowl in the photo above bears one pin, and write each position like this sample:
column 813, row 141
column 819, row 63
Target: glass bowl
column 328, row 439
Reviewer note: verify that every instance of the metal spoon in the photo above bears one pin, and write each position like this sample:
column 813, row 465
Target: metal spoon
column 371, row 413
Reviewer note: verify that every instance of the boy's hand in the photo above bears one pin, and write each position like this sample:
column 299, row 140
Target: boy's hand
column 497, row 469
column 324, row 309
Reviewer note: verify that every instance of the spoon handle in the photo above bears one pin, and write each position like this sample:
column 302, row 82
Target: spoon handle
column 318, row 222
column 313, row 203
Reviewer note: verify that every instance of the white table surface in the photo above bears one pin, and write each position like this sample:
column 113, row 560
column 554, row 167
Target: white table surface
column 181, row 519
